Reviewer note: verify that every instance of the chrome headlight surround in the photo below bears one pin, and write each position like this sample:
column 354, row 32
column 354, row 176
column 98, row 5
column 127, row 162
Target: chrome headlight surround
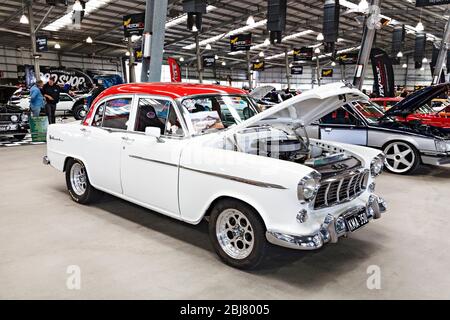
column 442, row 145
column 377, row 166
column 24, row 117
column 14, row 118
column 308, row 187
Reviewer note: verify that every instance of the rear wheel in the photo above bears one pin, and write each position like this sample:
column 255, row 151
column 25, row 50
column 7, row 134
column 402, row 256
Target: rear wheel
column 79, row 112
column 401, row 157
column 237, row 234
column 78, row 184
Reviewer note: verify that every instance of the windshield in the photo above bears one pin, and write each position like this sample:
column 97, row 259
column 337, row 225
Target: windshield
column 371, row 111
column 212, row 113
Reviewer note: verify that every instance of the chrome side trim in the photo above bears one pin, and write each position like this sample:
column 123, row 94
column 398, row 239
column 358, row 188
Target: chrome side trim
column 154, row 161
column 238, row 179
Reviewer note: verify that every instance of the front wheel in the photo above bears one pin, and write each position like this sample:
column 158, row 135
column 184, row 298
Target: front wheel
column 78, row 184
column 79, row 112
column 401, row 157
column 237, row 234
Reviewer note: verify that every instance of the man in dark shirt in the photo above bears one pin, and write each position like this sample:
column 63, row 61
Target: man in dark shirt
column 51, row 93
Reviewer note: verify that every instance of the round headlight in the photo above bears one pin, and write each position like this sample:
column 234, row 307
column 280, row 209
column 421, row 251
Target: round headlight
column 377, row 166
column 24, row 118
column 308, row 187
column 14, row 118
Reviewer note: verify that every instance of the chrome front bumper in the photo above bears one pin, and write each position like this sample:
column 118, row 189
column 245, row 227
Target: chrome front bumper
column 331, row 229
column 46, row 160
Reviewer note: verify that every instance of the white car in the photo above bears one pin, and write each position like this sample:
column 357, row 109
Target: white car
column 200, row 151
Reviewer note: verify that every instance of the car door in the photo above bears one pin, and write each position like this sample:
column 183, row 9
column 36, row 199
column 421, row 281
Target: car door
column 150, row 165
column 103, row 142
column 65, row 104
column 343, row 125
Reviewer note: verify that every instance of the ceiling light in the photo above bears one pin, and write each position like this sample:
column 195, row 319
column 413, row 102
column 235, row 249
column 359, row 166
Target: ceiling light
column 224, row 63
column 216, row 57
column 24, row 19
column 250, row 21
column 422, row 69
column 317, row 51
column 333, row 64
column 404, row 66
column 66, row 20
column 363, row 6
column 57, row 46
column 400, row 54
column 420, row 27
column 290, row 65
column 320, row 37
column 194, row 29
column 128, row 53
column 261, row 54
column 77, row 6
column 228, row 34
column 89, row 40
column 135, row 38
column 208, row 47
column 181, row 59
column 425, row 60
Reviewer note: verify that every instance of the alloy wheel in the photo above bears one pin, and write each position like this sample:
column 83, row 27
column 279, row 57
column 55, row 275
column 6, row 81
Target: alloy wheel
column 400, row 157
column 78, row 178
column 235, row 234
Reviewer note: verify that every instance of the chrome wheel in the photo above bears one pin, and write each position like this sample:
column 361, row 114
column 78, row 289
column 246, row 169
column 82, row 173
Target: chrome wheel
column 400, row 157
column 78, row 178
column 235, row 234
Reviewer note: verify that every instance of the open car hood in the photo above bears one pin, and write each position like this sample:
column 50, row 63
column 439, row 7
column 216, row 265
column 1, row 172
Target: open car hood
column 261, row 92
column 417, row 99
column 6, row 92
column 307, row 107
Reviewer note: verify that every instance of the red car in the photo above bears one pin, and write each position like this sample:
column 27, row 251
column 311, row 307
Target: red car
column 417, row 108
column 385, row 102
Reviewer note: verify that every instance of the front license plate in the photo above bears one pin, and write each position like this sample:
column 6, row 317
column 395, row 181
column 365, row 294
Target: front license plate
column 4, row 128
column 357, row 221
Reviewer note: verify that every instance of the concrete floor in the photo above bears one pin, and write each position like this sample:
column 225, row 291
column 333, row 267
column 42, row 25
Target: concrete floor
column 128, row 252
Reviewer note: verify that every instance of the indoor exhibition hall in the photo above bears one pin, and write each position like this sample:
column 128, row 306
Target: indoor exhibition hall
column 216, row 151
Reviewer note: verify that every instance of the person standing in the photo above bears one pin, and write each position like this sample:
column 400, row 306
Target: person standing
column 51, row 93
column 37, row 101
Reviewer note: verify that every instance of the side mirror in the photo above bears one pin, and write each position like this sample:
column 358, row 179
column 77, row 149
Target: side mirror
column 154, row 132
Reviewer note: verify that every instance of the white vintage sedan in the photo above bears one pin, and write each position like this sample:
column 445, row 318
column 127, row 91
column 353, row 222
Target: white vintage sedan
column 196, row 152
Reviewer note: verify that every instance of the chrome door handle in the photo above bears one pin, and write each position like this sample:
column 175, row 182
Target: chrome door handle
column 328, row 129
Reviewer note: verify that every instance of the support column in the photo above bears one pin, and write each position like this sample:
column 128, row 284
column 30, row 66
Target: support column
column 288, row 74
column 366, row 47
column 131, row 62
column 442, row 54
column 37, row 69
column 158, row 36
column 318, row 71
column 199, row 58
column 249, row 71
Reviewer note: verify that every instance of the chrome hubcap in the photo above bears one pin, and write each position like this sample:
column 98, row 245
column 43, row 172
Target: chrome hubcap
column 235, row 234
column 78, row 179
column 400, row 158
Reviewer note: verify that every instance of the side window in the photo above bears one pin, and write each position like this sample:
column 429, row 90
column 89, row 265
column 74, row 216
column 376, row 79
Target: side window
column 98, row 117
column 341, row 116
column 65, row 98
column 117, row 113
column 158, row 113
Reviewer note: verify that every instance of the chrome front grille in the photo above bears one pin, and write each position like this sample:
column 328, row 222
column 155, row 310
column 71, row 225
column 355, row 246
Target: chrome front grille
column 341, row 189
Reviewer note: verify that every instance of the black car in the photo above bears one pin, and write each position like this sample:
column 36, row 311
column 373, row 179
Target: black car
column 13, row 120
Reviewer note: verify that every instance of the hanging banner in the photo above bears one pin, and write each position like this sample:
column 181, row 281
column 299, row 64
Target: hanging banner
column 383, row 72
column 138, row 54
column 41, row 44
column 209, row 61
column 175, row 71
column 133, row 24
column 348, row 58
column 327, row 73
column 76, row 78
column 258, row 66
column 303, row 54
column 427, row 3
column 241, row 42
column 295, row 70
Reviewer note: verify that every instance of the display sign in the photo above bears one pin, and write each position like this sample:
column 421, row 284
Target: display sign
column 209, row 61
column 138, row 54
column 327, row 73
column 41, row 43
column 383, row 73
column 241, row 42
column 133, row 24
column 76, row 78
column 348, row 58
column 297, row 70
column 303, row 54
column 175, row 71
column 258, row 66
column 426, row 3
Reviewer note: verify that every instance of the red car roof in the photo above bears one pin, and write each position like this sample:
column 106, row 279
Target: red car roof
column 395, row 99
column 172, row 90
